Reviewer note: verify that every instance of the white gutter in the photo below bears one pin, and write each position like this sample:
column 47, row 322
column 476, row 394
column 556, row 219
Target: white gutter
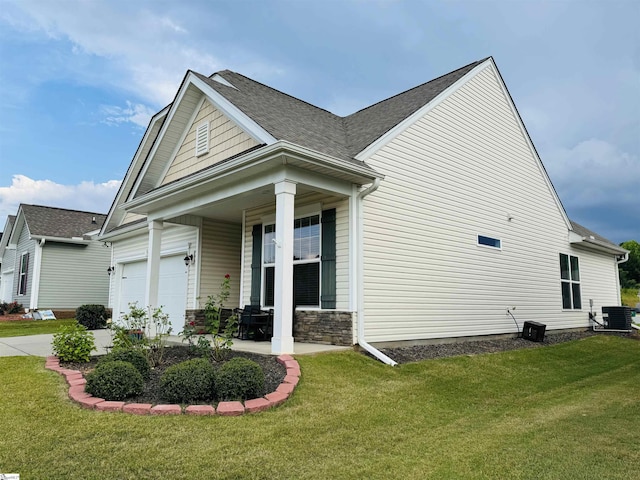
column 623, row 259
column 361, row 341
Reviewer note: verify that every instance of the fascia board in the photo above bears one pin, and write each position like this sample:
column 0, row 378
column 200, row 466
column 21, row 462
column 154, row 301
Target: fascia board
column 384, row 139
column 129, row 177
column 252, row 158
column 19, row 224
column 122, row 232
column 46, row 238
column 234, row 113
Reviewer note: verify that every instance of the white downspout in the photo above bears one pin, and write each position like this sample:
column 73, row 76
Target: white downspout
column 360, row 278
column 618, row 262
column 35, row 282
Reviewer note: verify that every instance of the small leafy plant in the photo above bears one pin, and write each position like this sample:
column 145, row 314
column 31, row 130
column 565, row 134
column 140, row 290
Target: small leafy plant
column 115, row 380
column 73, row 343
column 221, row 339
column 10, row 308
column 143, row 329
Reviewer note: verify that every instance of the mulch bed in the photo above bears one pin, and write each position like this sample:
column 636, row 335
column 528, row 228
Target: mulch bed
column 416, row 353
column 274, row 372
column 13, row 317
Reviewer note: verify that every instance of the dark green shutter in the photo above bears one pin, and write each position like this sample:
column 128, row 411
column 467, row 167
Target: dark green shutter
column 328, row 290
column 256, row 264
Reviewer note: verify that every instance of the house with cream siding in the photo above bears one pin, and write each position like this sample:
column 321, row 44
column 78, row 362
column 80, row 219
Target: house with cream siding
column 426, row 215
column 51, row 260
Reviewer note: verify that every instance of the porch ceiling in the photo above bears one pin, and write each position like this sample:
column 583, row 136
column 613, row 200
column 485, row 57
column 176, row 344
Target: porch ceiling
column 224, row 190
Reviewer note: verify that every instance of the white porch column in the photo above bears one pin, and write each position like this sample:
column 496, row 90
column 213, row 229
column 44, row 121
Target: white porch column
column 282, row 341
column 153, row 264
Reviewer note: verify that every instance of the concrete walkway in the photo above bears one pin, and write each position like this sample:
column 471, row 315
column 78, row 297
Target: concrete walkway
column 40, row 345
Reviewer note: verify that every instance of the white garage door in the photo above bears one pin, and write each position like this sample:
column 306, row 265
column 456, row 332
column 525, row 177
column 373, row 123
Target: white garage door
column 6, row 287
column 172, row 288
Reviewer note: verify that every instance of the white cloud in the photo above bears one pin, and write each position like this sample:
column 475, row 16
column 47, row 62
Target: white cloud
column 148, row 50
column 135, row 113
column 594, row 172
column 86, row 196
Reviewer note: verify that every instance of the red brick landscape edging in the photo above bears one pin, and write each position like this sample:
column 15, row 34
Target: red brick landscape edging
column 77, row 393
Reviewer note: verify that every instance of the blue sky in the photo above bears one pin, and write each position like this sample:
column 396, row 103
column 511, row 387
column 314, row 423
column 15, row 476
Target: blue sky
column 80, row 79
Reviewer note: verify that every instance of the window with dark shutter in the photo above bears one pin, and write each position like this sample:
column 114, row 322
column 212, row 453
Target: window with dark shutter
column 256, row 264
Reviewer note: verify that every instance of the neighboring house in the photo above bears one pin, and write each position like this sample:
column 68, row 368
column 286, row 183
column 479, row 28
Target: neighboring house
column 50, row 260
column 425, row 215
column 7, row 261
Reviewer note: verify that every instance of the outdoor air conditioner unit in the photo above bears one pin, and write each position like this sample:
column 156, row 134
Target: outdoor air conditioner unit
column 616, row 318
column 533, row 331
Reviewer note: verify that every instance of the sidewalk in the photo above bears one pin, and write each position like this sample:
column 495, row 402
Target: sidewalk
column 40, row 345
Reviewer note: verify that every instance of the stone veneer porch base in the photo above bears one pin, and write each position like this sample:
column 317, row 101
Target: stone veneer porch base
column 77, row 393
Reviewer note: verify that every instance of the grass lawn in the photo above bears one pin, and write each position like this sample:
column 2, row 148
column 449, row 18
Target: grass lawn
column 630, row 296
column 569, row 411
column 18, row 328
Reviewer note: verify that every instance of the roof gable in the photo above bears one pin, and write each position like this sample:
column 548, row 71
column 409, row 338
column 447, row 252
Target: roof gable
column 50, row 222
column 6, row 234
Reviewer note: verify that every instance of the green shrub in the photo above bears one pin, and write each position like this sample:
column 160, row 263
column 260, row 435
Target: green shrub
column 11, row 308
column 92, row 316
column 239, row 379
column 134, row 357
column 188, row 381
column 73, row 343
column 115, row 380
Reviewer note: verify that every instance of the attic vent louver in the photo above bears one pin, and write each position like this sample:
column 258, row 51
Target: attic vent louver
column 202, row 139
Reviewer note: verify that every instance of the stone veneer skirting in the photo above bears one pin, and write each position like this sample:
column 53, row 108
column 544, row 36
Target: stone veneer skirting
column 323, row 326
column 327, row 327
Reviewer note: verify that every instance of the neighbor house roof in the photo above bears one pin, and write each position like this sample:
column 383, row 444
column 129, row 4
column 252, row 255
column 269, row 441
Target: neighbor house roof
column 8, row 228
column 59, row 222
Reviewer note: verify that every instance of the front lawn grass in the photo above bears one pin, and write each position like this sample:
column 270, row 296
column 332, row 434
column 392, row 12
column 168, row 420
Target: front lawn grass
column 569, row 411
column 17, row 328
column 630, row 296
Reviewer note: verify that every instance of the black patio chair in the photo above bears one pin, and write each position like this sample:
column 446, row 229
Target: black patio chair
column 254, row 323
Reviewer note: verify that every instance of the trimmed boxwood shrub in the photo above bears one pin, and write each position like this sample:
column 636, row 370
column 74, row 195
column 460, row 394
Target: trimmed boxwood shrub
column 134, row 357
column 239, row 379
column 188, row 381
column 115, row 380
column 92, row 316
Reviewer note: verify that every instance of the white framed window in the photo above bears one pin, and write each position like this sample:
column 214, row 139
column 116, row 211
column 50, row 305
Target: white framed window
column 202, row 139
column 485, row 241
column 23, row 275
column 570, row 280
column 306, row 262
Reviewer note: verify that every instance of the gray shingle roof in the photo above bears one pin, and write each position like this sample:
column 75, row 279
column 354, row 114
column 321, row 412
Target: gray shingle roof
column 585, row 232
column 288, row 118
column 60, row 222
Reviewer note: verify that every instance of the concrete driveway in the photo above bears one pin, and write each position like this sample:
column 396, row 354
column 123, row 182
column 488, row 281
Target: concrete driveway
column 40, row 345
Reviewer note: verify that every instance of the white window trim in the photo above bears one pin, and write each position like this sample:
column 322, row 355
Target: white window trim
column 571, row 282
column 21, row 273
column 302, row 212
column 202, row 131
column 481, row 245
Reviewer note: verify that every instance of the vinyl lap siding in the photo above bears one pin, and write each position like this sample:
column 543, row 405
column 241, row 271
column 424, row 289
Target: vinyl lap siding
column 254, row 216
column 225, row 140
column 220, row 255
column 458, row 172
column 73, row 275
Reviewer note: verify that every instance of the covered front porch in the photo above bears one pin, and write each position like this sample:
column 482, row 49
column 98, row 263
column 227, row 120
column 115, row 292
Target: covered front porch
column 279, row 261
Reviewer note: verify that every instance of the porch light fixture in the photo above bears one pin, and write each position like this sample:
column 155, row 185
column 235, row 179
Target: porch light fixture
column 110, row 270
column 188, row 259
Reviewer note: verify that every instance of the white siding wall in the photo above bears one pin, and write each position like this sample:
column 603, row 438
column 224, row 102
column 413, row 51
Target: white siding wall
column 73, row 275
column 456, row 173
column 225, row 140
column 175, row 238
column 253, row 217
column 220, row 255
